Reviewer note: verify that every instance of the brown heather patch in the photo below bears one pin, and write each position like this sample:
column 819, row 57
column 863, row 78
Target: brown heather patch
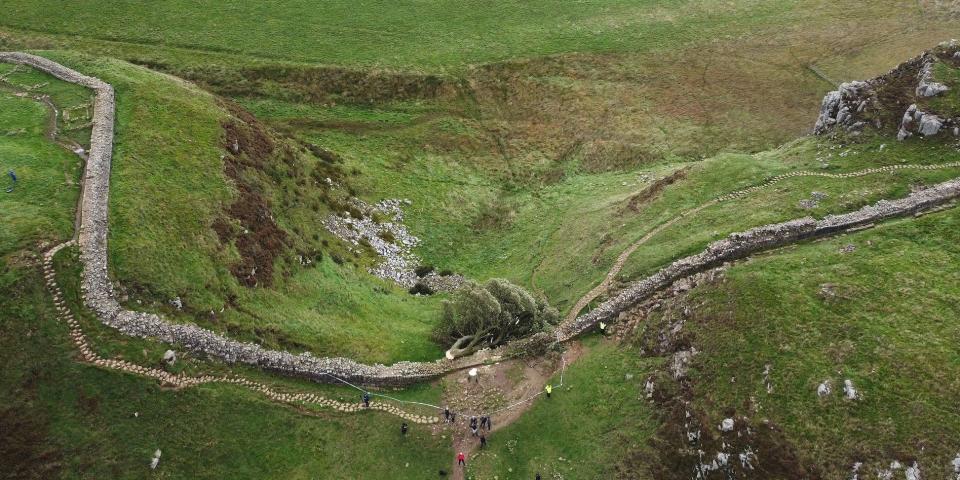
column 249, row 223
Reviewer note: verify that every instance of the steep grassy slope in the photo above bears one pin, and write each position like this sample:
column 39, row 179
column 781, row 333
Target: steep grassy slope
column 170, row 190
column 498, row 157
column 876, row 307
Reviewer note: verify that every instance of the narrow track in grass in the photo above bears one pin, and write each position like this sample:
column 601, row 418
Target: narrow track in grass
column 617, row 266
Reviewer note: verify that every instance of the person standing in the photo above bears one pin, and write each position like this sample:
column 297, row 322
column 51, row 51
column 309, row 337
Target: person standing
column 461, row 459
column 403, row 429
column 483, row 441
column 539, row 477
column 366, row 399
column 549, row 389
column 446, row 413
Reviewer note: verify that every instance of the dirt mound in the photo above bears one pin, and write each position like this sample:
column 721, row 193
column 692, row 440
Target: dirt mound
column 915, row 98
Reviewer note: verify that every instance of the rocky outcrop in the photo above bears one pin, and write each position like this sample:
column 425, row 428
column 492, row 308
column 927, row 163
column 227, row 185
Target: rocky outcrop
column 842, row 107
column 900, row 98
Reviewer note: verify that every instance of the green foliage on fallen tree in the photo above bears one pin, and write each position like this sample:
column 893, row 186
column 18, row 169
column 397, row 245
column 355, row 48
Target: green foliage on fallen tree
column 488, row 315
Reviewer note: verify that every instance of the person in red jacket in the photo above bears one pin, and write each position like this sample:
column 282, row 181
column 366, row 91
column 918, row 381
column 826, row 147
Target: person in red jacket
column 461, row 459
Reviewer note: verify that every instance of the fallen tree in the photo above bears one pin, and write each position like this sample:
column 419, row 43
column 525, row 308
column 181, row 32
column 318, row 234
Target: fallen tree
column 488, row 315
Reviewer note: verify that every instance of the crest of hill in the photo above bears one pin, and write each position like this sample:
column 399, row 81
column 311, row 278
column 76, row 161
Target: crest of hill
column 920, row 97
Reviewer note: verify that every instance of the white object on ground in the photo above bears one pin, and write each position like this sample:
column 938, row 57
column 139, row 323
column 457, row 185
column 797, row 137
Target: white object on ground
column 849, row 390
column 823, row 389
column 726, row 425
column 156, row 460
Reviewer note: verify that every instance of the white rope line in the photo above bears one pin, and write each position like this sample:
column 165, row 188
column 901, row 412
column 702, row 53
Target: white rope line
column 563, row 368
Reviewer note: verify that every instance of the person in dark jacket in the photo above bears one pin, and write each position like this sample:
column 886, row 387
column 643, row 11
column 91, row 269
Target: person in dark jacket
column 366, row 399
column 403, row 429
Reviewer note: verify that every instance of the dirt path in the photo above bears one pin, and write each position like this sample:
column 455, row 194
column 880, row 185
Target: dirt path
column 516, row 383
column 602, row 287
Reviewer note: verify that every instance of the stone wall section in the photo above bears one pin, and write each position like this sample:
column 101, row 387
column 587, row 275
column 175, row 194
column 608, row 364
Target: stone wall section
column 99, row 295
column 743, row 244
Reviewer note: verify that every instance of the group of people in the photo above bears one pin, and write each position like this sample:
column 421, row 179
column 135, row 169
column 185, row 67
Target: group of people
column 477, row 424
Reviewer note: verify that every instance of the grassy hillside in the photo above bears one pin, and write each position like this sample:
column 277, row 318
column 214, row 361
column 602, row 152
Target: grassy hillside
column 585, row 429
column 63, row 419
column 536, row 142
column 826, row 311
column 169, row 189
column 430, row 34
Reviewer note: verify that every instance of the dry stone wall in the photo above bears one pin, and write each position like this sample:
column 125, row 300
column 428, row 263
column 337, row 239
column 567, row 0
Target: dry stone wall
column 741, row 245
column 100, row 298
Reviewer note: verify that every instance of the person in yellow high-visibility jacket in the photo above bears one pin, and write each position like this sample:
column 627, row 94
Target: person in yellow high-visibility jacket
column 549, row 389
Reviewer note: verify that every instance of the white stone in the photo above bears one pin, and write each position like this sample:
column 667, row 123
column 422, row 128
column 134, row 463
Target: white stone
column 823, row 389
column 170, row 357
column 727, row 425
column 849, row 390
column 912, row 472
column 930, row 125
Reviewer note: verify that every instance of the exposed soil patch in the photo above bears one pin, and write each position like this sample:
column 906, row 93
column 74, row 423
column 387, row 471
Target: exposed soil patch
column 320, row 84
column 654, row 189
column 249, row 223
column 498, row 385
column 25, row 450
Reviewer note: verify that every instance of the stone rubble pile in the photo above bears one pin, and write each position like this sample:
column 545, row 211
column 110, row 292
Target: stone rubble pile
column 390, row 240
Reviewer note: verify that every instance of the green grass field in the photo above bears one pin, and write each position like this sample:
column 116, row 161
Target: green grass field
column 533, row 140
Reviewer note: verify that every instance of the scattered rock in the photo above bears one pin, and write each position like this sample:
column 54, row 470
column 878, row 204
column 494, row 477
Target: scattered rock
column 727, row 425
column 155, row 460
column 912, row 472
column 681, row 362
column 177, row 303
column 855, row 470
column 824, row 389
column 849, row 391
column 170, row 357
